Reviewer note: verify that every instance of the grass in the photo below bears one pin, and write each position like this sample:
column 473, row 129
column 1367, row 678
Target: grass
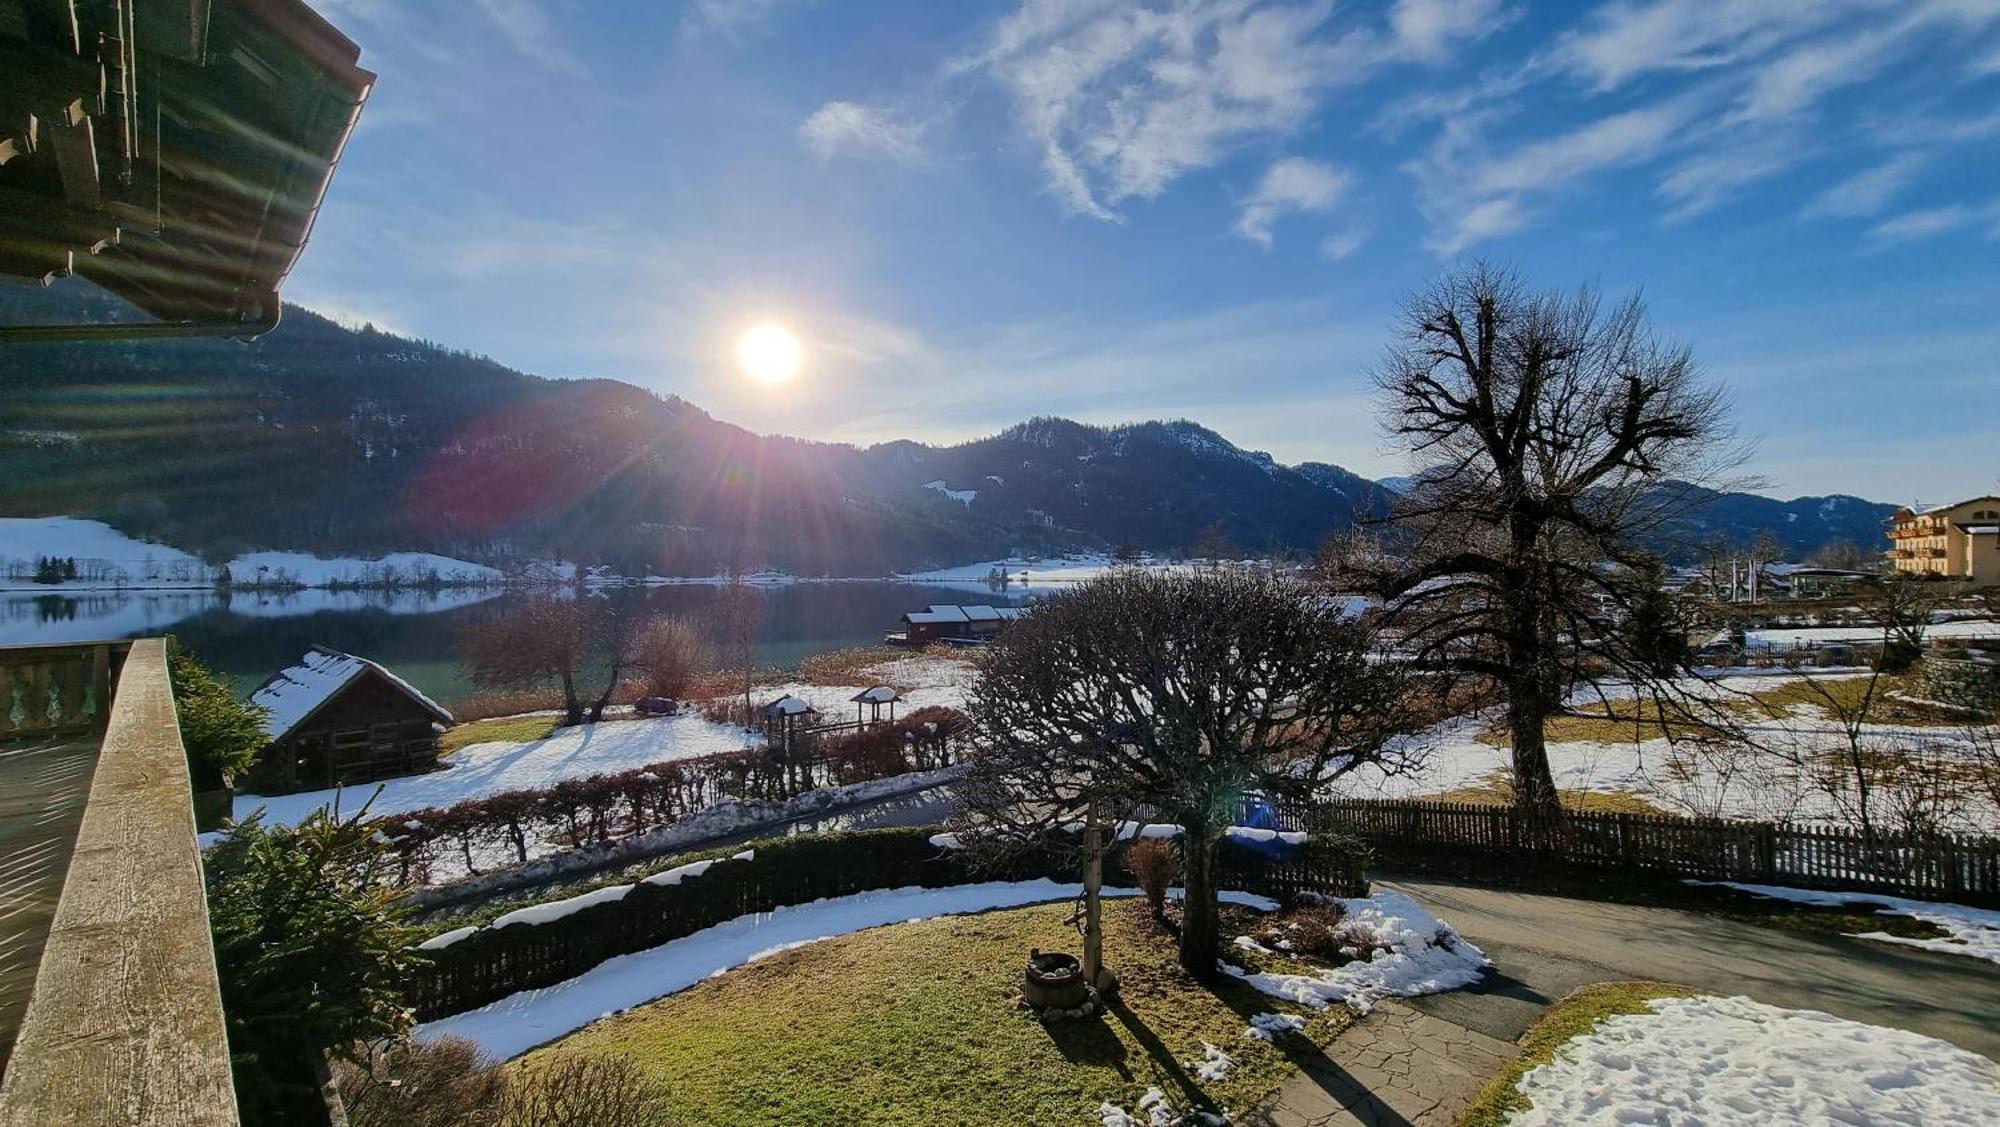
column 916, row 1024
column 850, row 667
column 1497, row 789
column 1572, row 1017
column 507, row 729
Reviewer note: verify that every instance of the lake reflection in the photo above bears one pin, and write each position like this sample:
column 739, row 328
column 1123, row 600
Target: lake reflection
column 248, row 636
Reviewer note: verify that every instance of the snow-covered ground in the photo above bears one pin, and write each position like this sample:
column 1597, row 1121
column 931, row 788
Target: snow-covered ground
column 1679, row 777
column 1024, row 576
column 1802, row 637
column 1974, row 932
column 489, row 768
column 1732, row 1060
column 481, row 769
column 1417, row 954
column 519, row 1022
column 107, row 558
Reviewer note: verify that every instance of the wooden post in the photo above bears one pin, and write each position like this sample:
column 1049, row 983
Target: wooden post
column 1093, row 906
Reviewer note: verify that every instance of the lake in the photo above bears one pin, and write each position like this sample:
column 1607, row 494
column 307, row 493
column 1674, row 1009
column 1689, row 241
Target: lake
column 248, row 636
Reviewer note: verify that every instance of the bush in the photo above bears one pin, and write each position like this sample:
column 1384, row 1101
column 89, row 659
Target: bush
column 668, row 656
column 449, row 1082
column 222, row 734
column 311, row 952
column 577, row 1091
column 1156, row 865
column 1319, row 931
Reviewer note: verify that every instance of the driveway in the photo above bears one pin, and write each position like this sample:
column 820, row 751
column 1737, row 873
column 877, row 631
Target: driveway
column 1543, row 947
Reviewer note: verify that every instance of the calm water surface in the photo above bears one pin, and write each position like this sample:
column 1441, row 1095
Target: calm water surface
column 247, row 637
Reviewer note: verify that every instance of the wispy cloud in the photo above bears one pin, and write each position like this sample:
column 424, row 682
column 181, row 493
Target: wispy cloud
column 1291, row 184
column 731, row 20
column 1121, row 100
column 1470, row 194
column 849, row 127
column 1334, row 248
column 1927, row 223
column 1628, row 39
column 1866, row 192
column 528, row 30
column 1708, row 179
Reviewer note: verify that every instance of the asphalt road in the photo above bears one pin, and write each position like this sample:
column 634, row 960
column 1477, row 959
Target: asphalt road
column 1546, row 946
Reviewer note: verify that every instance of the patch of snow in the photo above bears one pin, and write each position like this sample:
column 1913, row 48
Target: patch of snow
column 678, row 873
column 1733, row 1060
column 446, row 939
column 1265, row 1027
column 105, row 557
column 489, row 768
column 519, row 1022
column 558, row 909
column 404, row 568
column 1420, row 955
column 1973, row 931
column 1799, row 638
column 1214, row 1063
column 962, row 496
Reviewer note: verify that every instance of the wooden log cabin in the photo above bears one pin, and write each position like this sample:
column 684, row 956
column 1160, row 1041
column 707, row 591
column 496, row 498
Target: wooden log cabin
column 334, row 718
column 943, row 622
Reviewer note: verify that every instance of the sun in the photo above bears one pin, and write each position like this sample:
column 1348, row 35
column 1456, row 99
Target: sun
column 769, row 353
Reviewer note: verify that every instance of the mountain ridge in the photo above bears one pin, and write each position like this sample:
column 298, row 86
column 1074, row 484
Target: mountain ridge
column 321, row 437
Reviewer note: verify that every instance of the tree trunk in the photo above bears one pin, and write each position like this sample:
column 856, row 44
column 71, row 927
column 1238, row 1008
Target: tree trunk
column 1093, row 907
column 1534, row 782
column 604, row 698
column 572, row 708
column 1199, row 941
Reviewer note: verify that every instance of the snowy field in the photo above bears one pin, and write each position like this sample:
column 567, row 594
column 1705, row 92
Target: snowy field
column 482, row 769
column 107, row 558
column 1022, row 575
column 1678, row 777
column 1732, row 1060
column 1808, row 636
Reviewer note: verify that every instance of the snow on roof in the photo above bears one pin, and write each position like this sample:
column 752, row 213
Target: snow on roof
column 980, row 613
column 1982, row 529
column 297, row 691
column 789, row 705
column 880, row 694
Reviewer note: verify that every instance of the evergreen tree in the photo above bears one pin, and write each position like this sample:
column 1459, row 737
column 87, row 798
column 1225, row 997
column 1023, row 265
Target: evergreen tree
column 1655, row 635
column 222, row 734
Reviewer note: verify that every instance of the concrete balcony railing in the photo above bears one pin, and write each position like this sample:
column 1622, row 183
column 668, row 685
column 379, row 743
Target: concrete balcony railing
column 123, row 1019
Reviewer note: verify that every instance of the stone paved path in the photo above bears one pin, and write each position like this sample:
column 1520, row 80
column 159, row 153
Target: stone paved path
column 1396, row 1066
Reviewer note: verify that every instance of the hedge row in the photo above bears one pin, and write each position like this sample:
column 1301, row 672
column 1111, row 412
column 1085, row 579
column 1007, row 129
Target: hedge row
column 599, row 808
column 493, row 963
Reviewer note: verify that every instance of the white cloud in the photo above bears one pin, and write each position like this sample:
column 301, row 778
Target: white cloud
column 1626, row 39
column 730, row 19
column 1334, row 248
column 1291, row 184
column 1122, row 100
column 1866, row 192
column 848, row 127
column 1469, row 195
column 1430, row 29
column 1710, row 178
column 529, row 31
column 1930, row 222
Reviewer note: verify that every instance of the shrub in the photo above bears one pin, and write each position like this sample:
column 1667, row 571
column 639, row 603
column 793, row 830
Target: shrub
column 311, row 952
column 668, row 655
column 449, row 1082
column 1156, row 865
column 579, row 1091
column 222, row 734
column 1318, row 931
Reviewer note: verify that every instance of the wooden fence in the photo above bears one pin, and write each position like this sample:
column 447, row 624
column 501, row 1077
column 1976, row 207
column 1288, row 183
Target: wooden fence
column 1961, row 868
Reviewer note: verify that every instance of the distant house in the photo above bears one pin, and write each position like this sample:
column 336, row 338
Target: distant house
column 1825, row 582
column 1958, row 541
column 334, row 718
column 942, row 622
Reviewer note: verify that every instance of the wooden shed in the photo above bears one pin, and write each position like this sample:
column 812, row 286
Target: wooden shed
column 334, row 718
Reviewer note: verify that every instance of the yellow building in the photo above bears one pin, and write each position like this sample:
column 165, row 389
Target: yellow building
column 1960, row 541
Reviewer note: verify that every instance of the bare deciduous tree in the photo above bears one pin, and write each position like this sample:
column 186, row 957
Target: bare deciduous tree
column 668, row 654
column 1554, row 434
column 549, row 637
column 1181, row 693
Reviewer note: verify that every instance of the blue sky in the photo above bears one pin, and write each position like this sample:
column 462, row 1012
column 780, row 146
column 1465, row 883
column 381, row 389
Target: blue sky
column 973, row 213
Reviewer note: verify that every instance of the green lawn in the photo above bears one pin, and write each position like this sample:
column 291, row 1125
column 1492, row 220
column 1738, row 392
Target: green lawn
column 505, row 729
column 916, row 1024
column 1574, row 1016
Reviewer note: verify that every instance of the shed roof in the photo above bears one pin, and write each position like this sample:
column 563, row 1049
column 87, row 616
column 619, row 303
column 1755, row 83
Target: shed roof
column 789, row 705
column 293, row 694
column 880, row 694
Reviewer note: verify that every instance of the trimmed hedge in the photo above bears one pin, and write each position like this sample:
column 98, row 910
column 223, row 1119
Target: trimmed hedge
column 599, row 808
column 493, row 963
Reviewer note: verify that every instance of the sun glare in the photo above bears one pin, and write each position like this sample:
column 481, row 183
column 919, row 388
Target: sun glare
column 769, row 353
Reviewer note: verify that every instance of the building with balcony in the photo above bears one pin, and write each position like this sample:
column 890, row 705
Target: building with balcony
column 1956, row 541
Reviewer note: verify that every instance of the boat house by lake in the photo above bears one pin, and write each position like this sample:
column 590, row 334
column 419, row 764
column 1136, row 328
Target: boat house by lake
column 334, row 718
column 942, row 622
